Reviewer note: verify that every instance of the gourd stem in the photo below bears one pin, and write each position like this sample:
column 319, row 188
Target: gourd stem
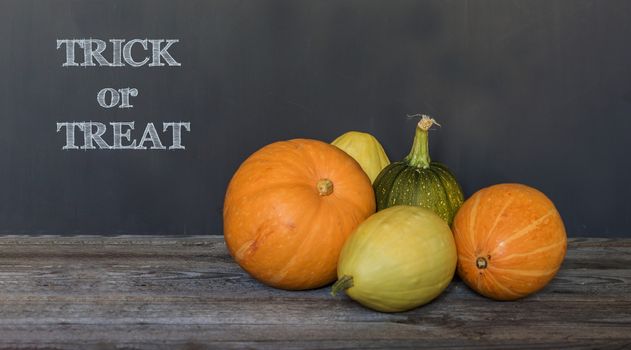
column 419, row 155
column 342, row 284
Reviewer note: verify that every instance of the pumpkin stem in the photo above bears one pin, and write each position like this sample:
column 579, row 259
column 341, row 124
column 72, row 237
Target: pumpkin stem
column 343, row 283
column 324, row 187
column 481, row 263
column 419, row 155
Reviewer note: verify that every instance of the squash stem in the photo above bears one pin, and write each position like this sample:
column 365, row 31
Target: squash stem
column 419, row 155
column 342, row 284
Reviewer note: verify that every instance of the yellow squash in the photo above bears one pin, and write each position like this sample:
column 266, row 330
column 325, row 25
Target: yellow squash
column 366, row 150
column 398, row 259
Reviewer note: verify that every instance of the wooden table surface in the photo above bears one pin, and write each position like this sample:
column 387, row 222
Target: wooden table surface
column 187, row 293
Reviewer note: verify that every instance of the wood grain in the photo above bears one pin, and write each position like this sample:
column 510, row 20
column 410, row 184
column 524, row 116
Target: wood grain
column 187, row 293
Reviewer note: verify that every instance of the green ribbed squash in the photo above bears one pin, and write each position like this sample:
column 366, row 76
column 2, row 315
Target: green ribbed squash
column 416, row 180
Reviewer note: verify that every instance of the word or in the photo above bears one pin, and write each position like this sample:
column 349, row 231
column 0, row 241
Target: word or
column 121, row 135
column 115, row 97
column 121, row 54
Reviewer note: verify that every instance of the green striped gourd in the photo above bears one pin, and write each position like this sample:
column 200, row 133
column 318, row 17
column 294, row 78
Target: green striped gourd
column 416, row 180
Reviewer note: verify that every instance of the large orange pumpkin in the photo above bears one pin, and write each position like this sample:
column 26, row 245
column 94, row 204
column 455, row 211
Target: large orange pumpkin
column 510, row 240
column 289, row 209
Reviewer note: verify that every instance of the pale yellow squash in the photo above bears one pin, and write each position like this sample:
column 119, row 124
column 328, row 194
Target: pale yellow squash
column 366, row 150
column 398, row 259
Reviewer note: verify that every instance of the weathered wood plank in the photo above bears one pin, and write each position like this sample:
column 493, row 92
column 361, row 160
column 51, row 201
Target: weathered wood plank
column 186, row 292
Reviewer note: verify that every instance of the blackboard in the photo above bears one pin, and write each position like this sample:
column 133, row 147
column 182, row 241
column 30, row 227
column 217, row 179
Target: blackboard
column 537, row 92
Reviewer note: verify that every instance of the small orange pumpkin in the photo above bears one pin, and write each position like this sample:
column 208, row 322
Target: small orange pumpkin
column 289, row 209
column 510, row 240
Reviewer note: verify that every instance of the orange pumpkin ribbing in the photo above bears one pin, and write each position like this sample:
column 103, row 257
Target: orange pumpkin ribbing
column 510, row 239
column 284, row 223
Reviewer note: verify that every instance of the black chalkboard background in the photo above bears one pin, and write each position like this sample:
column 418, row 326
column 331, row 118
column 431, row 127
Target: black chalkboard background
column 537, row 92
